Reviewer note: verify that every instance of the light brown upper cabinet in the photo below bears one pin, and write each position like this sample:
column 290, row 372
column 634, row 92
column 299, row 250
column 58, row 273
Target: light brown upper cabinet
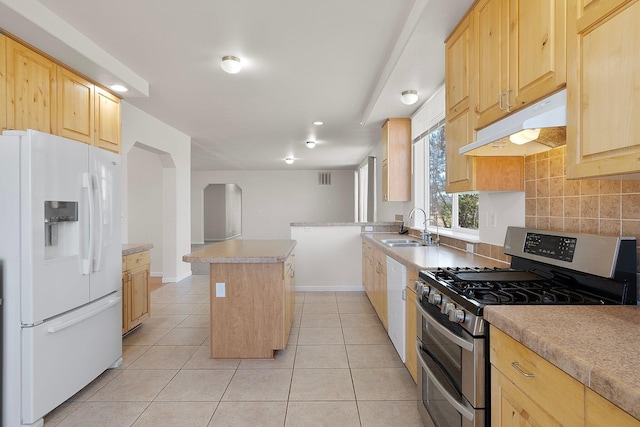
column 3, row 82
column 519, row 52
column 75, row 107
column 31, row 94
column 603, row 103
column 467, row 173
column 396, row 160
column 107, row 120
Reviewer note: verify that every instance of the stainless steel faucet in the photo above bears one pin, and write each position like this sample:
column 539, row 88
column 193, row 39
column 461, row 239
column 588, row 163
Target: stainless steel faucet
column 426, row 236
column 435, row 220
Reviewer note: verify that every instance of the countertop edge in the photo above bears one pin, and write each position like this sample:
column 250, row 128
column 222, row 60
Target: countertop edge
column 242, row 260
column 134, row 248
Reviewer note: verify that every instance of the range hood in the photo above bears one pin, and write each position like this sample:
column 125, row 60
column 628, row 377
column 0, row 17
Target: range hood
column 549, row 115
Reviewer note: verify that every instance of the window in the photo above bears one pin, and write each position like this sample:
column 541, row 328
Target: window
column 458, row 212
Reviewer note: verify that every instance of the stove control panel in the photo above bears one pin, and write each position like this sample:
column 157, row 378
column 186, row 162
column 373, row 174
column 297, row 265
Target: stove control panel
column 549, row 246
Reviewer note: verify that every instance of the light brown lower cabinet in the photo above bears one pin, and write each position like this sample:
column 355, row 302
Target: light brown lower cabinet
column 411, row 355
column 136, row 306
column 527, row 390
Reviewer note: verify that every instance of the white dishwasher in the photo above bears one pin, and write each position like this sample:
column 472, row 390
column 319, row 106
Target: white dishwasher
column 396, row 309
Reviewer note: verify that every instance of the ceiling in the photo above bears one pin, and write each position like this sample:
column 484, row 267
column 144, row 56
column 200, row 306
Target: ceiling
column 341, row 62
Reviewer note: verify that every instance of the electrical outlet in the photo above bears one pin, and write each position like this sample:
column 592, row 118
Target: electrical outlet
column 368, row 228
column 220, row 290
column 470, row 248
column 493, row 220
column 307, row 229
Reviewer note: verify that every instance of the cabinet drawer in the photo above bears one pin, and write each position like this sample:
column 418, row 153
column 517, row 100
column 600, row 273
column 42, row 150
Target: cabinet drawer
column 136, row 260
column 540, row 380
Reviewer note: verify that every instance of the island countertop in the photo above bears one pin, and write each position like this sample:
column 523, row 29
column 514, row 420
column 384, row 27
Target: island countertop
column 134, row 248
column 243, row 251
column 596, row 345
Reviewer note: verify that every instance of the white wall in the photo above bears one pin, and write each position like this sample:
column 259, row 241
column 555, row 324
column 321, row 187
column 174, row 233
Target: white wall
column 144, row 171
column 272, row 200
column 497, row 211
column 174, row 150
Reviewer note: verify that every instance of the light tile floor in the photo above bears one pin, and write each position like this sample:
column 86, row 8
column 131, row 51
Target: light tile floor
column 339, row 369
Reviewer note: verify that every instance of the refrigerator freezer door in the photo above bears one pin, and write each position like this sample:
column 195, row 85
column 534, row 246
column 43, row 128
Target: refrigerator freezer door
column 51, row 170
column 106, row 260
column 66, row 353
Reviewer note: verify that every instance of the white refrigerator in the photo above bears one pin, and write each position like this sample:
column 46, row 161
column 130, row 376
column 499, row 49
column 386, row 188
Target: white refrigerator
column 60, row 251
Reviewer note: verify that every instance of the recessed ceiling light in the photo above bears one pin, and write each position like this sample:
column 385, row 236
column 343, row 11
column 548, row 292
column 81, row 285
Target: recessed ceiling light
column 118, row 88
column 231, row 64
column 409, row 97
column 318, row 123
column 288, row 160
column 311, row 144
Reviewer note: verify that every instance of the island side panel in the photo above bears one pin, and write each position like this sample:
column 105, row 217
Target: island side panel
column 248, row 322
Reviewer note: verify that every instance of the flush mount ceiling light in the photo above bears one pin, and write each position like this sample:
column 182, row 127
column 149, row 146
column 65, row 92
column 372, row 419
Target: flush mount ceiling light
column 231, row 64
column 409, row 97
column 311, row 144
column 289, row 160
column 118, row 88
column 524, row 136
column 318, row 123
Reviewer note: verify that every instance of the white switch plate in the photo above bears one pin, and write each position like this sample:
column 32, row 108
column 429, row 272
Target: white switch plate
column 368, row 228
column 220, row 290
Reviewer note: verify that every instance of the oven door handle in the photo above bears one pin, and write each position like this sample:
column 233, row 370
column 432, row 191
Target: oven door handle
column 467, row 345
column 457, row 405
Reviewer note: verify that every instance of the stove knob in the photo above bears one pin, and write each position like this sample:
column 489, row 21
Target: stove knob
column 448, row 308
column 456, row 315
column 435, row 298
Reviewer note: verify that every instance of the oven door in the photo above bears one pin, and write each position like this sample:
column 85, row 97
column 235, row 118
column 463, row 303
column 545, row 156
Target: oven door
column 451, row 371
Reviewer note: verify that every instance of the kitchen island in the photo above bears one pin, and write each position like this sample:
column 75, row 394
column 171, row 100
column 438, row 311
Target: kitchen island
column 252, row 296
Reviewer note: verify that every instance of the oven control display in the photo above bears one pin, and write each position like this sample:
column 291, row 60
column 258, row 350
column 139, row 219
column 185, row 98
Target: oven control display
column 555, row 247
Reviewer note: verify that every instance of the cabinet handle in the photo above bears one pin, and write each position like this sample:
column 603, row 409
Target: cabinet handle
column 506, row 97
column 516, row 366
column 500, row 106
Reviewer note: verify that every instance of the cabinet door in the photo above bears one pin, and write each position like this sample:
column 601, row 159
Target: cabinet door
column 3, row 83
column 457, row 77
column 411, row 331
column 603, row 102
column 459, row 167
column 289, row 296
column 125, row 301
column 396, row 162
column 75, row 107
column 107, row 121
column 537, row 50
column 30, row 89
column 490, row 54
column 380, row 287
column 600, row 412
column 138, row 295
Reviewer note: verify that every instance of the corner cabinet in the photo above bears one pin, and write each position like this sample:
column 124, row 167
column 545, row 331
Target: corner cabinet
column 519, row 53
column 603, row 103
column 396, row 160
column 468, row 173
column 135, row 290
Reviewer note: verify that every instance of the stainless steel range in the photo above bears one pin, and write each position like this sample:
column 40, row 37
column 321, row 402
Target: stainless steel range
column 547, row 267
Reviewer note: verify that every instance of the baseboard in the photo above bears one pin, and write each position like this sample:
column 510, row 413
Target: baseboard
column 176, row 279
column 343, row 288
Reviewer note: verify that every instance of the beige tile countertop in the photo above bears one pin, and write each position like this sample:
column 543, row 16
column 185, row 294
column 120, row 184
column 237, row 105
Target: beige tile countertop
column 134, row 248
column 429, row 257
column 243, row 251
column 597, row 345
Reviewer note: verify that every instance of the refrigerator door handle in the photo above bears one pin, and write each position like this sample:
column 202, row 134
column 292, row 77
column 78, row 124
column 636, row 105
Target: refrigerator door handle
column 64, row 325
column 98, row 247
column 87, row 183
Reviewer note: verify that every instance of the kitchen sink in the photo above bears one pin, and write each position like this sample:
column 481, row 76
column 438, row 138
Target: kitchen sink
column 400, row 243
